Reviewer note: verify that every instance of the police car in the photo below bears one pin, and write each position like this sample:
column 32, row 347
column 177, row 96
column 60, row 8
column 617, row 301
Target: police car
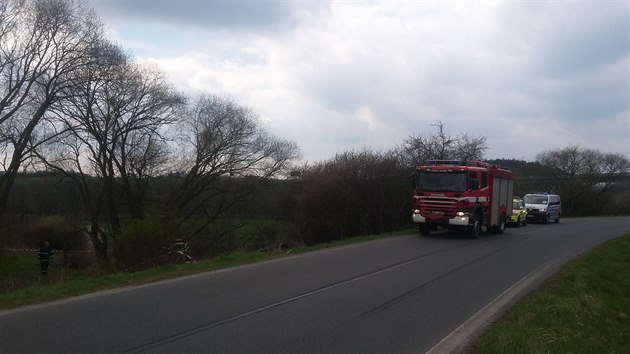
column 543, row 207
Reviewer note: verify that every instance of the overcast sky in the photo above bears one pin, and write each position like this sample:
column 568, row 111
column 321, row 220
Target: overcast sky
column 333, row 76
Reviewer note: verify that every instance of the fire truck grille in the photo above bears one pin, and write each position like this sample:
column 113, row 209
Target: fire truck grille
column 438, row 206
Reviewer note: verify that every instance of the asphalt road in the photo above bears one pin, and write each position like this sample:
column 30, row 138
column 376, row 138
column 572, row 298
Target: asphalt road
column 396, row 295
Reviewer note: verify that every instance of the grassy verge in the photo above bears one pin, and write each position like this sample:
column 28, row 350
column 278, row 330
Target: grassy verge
column 22, row 285
column 585, row 308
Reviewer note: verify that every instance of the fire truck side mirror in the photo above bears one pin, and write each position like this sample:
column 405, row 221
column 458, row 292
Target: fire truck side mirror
column 473, row 183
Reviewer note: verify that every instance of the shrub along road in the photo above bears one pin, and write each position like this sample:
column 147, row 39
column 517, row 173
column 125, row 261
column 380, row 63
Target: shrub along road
column 401, row 294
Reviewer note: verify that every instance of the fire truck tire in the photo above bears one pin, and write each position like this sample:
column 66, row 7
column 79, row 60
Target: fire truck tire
column 474, row 229
column 499, row 229
column 425, row 229
column 525, row 221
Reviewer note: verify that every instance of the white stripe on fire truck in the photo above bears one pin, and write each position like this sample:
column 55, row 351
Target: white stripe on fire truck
column 437, row 199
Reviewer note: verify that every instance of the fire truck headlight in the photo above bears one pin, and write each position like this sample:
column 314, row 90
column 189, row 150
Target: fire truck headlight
column 461, row 214
column 416, row 211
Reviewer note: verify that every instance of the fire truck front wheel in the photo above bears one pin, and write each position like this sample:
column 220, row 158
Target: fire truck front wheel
column 474, row 228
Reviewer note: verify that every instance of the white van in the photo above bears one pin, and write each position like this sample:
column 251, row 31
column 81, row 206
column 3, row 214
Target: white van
column 543, row 207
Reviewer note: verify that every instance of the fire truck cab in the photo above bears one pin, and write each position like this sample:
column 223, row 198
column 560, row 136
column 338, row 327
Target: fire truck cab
column 462, row 195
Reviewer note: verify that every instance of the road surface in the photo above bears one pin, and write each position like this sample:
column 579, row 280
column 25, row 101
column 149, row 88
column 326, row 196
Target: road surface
column 396, row 295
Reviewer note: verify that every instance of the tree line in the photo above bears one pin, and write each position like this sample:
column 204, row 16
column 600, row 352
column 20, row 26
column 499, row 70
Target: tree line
column 73, row 102
column 131, row 162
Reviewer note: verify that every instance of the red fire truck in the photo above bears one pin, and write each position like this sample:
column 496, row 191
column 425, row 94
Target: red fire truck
column 462, row 195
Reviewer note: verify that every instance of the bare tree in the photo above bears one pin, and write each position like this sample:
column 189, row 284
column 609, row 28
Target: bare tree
column 470, row 148
column 582, row 176
column 146, row 105
column 228, row 153
column 113, row 122
column 441, row 146
column 146, row 155
column 42, row 46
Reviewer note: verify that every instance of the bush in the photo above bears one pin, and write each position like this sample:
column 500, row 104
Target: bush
column 355, row 193
column 270, row 235
column 143, row 243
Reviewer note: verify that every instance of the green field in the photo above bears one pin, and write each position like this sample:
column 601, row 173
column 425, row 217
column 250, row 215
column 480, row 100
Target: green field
column 585, row 308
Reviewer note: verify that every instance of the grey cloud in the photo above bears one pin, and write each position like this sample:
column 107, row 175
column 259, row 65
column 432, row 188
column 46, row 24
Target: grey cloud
column 564, row 39
column 569, row 59
column 590, row 101
column 341, row 89
column 587, row 46
column 559, row 62
column 247, row 15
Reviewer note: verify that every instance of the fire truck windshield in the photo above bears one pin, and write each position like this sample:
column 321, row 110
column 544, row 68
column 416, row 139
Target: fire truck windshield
column 441, row 181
